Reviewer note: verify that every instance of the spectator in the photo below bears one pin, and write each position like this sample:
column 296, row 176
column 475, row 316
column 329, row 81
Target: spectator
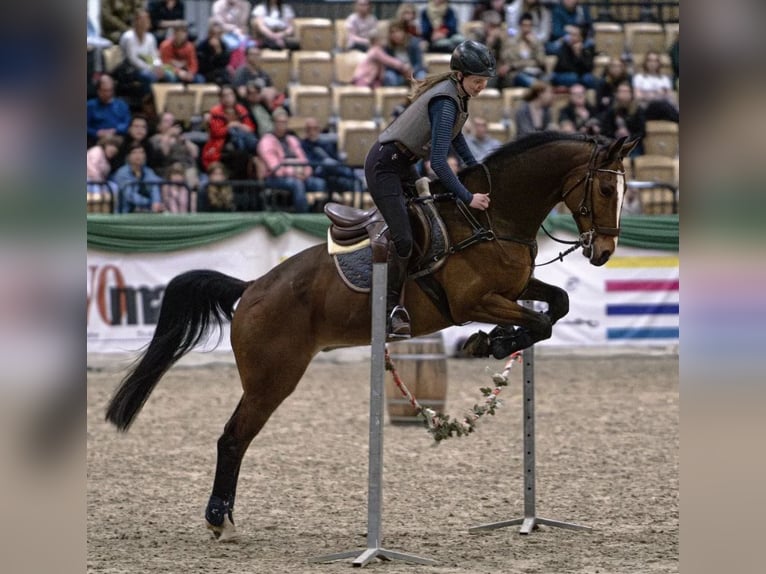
column 541, row 18
column 137, row 134
column 407, row 15
column 176, row 192
column 106, row 115
column 234, row 16
column 614, row 74
column 272, row 24
column 99, row 167
column 579, row 112
column 654, row 91
column 575, row 62
column 564, row 16
column 286, row 163
column 250, row 71
column 523, row 57
column 213, row 55
column 260, row 101
column 534, row 114
column 439, row 26
column 323, row 156
column 370, row 71
column 218, row 196
column 478, row 139
column 484, row 7
column 406, row 49
column 117, row 16
column 229, row 124
column 625, row 117
column 169, row 146
column 166, row 15
column 495, row 38
column 360, row 25
column 142, row 57
column 179, row 56
column 138, row 184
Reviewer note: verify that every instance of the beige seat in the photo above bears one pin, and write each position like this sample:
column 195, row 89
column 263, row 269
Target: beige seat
column 512, row 98
column 657, row 169
column 313, row 101
column 315, row 33
column 113, row 57
column 499, row 130
column 276, row 63
column 312, row 67
column 160, row 91
column 671, row 33
column 661, row 138
column 353, row 102
column 207, row 95
column 181, row 104
column 609, row 38
column 344, row 64
column 387, row 98
column 488, row 105
column 640, row 37
column 339, row 24
column 436, row 63
column 355, row 138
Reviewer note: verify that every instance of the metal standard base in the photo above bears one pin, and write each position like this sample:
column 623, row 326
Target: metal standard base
column 530, row 521
column 528, row 525
column 375, row 479
column 368, row 555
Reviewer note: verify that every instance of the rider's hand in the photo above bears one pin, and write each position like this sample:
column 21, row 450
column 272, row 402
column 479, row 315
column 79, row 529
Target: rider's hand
column 480, row 201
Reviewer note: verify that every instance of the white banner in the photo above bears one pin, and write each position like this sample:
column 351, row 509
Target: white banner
column 633, row 299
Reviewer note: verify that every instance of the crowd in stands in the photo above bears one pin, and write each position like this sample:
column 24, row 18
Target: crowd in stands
column 146, row 156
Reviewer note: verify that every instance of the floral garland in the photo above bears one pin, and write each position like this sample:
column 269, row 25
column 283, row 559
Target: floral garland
column 439, row 425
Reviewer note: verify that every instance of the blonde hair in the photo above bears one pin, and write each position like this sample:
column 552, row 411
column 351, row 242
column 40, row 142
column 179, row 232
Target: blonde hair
column 420, row 86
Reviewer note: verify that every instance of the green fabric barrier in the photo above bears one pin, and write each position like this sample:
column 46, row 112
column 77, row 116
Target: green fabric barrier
column 147, row 232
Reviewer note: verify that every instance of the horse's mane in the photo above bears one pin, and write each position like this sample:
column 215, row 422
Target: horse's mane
column 536, row 139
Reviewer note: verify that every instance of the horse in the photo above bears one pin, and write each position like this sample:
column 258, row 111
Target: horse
column 302, row 307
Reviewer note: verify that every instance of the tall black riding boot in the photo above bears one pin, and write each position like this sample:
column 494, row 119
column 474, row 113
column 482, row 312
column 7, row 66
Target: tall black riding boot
column 398, row 322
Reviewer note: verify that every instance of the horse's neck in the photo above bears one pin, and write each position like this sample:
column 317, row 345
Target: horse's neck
column 525, row 190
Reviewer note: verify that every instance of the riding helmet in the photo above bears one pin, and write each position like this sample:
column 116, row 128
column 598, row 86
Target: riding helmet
column 473, row 59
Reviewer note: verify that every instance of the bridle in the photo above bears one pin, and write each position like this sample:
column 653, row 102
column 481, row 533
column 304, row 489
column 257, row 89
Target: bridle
column 586, row 203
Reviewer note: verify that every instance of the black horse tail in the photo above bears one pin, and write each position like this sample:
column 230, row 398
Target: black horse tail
column 191, row 302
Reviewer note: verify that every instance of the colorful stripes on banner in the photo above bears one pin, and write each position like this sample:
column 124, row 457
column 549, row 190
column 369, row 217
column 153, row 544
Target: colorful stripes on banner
column 644, row 305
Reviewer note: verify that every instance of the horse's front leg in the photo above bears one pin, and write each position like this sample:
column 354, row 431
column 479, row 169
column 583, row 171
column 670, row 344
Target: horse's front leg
column 556, row 297
column 504, row 340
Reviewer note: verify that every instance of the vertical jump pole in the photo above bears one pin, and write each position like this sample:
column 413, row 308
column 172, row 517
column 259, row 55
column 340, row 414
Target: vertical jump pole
column 530, row 520
column 375, row 468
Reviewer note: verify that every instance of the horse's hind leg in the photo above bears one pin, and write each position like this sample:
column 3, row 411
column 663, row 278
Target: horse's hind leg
column 265, row 389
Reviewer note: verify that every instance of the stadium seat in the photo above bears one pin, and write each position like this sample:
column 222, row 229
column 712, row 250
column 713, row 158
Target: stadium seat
column 488, row 105
column 640, row 37
column 436, row 63
column 160, row 92
column 609, row 38
column 499, row 130
column 312, row 67
column 340, row 34
column 207, row 95
column 353, row 102
column 661, row 138
column 181, row 103
column 344, row 64
column 315, row 33
column 276, row 63
column 387, row 98
column 355, row 138
column 312, row 101
column 512, row 98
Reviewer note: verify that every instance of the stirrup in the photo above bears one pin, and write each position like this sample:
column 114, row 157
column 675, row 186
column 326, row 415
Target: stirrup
column 398, row 324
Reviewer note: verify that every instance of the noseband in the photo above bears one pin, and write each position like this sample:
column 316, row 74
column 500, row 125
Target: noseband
column 586, row 204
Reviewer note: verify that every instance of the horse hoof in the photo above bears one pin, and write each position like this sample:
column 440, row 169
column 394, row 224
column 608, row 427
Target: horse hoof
column 477, row 345
column 226, row 532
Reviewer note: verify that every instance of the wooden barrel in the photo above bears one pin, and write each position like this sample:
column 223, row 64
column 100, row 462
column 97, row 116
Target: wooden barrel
column 421, row 364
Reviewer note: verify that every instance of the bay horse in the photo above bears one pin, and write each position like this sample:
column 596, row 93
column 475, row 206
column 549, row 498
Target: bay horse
column 302, row 306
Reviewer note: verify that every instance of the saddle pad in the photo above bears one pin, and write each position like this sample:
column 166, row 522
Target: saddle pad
column 355, row 268
column 335, row 248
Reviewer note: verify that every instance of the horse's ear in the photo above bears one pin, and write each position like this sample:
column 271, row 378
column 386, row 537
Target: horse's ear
column 615, row 150
column 629, row 146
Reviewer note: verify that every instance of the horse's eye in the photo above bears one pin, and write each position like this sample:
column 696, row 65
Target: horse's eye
column 606, row 190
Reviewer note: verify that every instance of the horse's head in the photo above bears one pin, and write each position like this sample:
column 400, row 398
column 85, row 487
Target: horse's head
column 595, row 199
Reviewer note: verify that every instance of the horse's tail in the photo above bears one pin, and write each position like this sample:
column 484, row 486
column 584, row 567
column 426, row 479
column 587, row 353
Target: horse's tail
column 190, row 303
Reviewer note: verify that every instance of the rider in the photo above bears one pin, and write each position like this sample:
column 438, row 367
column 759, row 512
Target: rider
column 426, row 129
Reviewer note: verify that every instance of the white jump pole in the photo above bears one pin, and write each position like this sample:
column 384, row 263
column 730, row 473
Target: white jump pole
column 375, row 479
column 530, row 520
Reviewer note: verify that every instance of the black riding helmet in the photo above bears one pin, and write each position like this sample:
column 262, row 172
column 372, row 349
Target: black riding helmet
column 473, row 59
